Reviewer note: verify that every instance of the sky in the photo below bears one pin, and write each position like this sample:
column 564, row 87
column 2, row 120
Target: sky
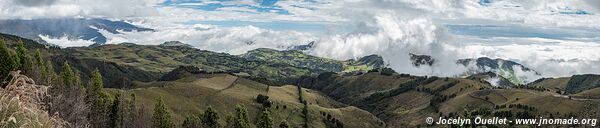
column 557, row 38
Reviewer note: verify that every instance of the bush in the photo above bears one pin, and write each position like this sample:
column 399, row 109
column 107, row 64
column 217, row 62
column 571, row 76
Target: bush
column 387, row 71
column 264, row 100
column 21, row 105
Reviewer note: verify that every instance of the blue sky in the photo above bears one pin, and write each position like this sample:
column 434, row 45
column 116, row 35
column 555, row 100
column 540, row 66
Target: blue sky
column 259, row 6
column 484, row 30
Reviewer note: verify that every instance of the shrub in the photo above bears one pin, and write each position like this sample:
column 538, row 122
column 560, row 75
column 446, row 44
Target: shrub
column 21, row 105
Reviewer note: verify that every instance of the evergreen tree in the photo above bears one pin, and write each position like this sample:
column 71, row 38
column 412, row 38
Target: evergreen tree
column 78, row 85
column 68, row 98
column 210, row 118
column 67, row 76
column 131, row 116
column 8, row 62
column 161, row 117
column 241, row 119
column 52, row 76
column 265, row 120
column 25, row 62
column 115, row 112
column 94, row 92
column 284, row 124
column 191, row 122
column 41, row 67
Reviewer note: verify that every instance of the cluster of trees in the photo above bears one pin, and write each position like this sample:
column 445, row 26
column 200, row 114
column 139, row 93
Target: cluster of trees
column 80, row 103
column 383, row 71
column 404, row 87
column 439, row 89
column 264, row 100
column 330, row 121
column 18, row 59
column 210, row 119
column 519, row 106
column 535, row 88
column 437, row 99
column 87, row 104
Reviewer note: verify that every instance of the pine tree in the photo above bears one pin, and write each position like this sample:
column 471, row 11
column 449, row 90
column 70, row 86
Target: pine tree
column 115, row 112
column 161, row 117
column 284, row 124
column 52, row 76
column 25, row 62
column 131, row 115
column 265, row 120
column 67, row 76
column 191, row 122
column 41, row 67
column 210, row 118
column 8, row 61
column 241, row 119
column 69, row 98
column 94, row 91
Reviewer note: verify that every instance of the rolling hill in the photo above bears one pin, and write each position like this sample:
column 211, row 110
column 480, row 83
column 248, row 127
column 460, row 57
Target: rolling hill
column 191, row 94
column 357, row 93
column 404, row 100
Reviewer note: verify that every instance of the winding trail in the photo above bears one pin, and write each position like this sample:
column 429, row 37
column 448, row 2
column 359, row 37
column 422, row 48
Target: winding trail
column 230, row 85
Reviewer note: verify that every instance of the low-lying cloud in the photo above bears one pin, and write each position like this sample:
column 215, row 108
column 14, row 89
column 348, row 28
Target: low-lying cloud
column 32, row 9
column 391, row 29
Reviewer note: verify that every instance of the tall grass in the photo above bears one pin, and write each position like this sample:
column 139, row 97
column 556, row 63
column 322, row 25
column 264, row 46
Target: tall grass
column 21, row 105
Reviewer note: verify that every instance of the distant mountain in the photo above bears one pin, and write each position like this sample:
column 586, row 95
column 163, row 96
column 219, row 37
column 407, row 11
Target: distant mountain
column 503, row 68
column 73, row 28
column 418, row 60
column 175, row 43
column 302, row 47
column 300, row 59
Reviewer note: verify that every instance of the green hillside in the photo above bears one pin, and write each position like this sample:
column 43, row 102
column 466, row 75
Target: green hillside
column 193, row 94
column 404, row 100
column 303, row 90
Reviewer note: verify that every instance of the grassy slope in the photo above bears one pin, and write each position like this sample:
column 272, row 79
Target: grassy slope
column 300, row 59
column 190, row 96
column 411, row 107
column 162, row 59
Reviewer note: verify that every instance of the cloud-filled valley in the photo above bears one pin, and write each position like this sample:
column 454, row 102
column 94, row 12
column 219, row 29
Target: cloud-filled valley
column 556, row 38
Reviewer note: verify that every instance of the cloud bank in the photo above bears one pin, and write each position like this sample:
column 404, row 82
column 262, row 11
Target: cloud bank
column 388, row 28
column 32, row 9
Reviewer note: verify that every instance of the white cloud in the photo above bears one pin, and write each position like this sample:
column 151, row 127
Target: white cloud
column 30, row 9
column 66, row 42
column 391, row 28
column 234, row 40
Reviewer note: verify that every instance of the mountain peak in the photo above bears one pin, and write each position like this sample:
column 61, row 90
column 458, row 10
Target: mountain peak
column 174, row 43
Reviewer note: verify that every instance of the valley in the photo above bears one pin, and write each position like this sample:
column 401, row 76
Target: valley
column 309, row 91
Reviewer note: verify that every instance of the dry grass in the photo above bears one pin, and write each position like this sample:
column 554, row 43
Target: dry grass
column 21, row 105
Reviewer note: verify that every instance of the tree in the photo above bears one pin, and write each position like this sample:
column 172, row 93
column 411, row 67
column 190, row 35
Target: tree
column 68, row 98
column 52, row 76
column 67, row 76
column 284, row 124
column 265, row 120
column 116, row 112
column 191, row 122
column 8, row 62
column 97, row 100
column 132, row 116
column 41, row 67
column 210, row 118
column 25, row 62
column 241, row 119
column 161, row 117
